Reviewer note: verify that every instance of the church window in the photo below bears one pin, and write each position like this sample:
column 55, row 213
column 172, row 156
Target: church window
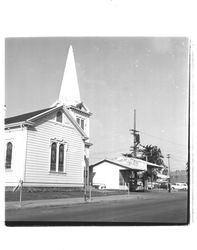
column 57, row 158
column 53, row 156
column 59, row 116
column 8, row 155
column 81, row 122
column 78, row 120
column 61, row 158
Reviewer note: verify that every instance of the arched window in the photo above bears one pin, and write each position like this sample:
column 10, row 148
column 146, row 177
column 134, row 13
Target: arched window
column 61, row 158
column 53, row 156
column 59, row 116
column 8, row 155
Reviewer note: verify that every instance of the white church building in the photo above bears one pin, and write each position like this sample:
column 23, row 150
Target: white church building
column 50, row 147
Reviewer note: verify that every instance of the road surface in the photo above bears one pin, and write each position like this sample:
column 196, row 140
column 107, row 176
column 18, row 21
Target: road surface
column 154, row 208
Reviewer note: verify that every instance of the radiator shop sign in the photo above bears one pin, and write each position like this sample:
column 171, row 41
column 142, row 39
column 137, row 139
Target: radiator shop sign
column 132, row 163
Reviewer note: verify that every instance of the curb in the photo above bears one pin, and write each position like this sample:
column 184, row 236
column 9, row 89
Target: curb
column 14, row 205
column 64, row 202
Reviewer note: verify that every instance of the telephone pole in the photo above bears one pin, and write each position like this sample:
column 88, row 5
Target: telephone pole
column 136, row 136
column 136, row 141
column 168, row 156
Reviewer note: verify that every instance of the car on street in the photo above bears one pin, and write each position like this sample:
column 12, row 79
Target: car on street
column 99, row 186
column 179, row 186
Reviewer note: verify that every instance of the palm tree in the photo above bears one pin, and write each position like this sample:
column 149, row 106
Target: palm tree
column 153, row 154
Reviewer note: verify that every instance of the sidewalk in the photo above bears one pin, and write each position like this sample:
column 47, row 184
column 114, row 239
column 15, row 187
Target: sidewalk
column 69, row 201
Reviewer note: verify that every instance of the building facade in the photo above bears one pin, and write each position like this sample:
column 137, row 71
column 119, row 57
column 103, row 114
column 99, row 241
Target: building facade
column 119, row 173
column 49, row 147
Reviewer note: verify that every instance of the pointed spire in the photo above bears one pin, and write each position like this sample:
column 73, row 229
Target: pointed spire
column 69, row 92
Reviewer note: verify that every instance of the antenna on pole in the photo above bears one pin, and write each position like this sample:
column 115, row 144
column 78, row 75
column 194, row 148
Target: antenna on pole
column 136, row 136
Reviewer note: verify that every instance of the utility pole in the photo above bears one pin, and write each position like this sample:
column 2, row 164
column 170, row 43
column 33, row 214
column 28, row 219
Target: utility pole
column 168, row 156
column 136, row 141
column 136, row 136
column 86, row 178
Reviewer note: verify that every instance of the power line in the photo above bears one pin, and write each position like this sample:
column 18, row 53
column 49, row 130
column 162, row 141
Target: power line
column 123, row 149
column 178, row 157
column 180, row 151
column 95, row 155
column 108, row 152
column 178, row 160
column 120, row 150
column 163, row 139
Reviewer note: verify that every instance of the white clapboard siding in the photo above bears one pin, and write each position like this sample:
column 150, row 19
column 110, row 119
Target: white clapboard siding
column 38, row 154
column 18, row 139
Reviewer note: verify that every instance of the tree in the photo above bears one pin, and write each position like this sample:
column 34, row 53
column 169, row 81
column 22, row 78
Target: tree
column 165, row 170
column 149, row 153
column 152, row 154
column 187, row 167
column 187, row 170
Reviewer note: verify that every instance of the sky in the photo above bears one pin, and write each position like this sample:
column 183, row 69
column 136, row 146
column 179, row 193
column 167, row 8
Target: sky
column 116, row 75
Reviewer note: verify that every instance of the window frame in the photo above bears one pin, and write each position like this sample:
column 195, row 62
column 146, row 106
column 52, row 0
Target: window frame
column 78, row 119
column 59, row 111
column 11, row 161
column 80, row 122
column 51, row 148
column 58, row 143
column 58, row 167
column 83, row 122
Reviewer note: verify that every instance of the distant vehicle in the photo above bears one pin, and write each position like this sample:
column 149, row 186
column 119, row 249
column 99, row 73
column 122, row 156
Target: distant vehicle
column 163, row 185
column 152, row 185
column 100, row 186
column 179, row 186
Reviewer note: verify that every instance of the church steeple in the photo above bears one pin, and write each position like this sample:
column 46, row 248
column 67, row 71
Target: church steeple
column 69, row 92
column 69, row 95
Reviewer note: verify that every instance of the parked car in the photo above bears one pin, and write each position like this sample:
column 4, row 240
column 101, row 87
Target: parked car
column 102, row 186
column 163, row 185
column 179, row 186
column 152, row 185
column 99, row 186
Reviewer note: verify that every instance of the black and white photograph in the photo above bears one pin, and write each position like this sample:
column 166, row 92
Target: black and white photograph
column 97, row 131
column 98, row 124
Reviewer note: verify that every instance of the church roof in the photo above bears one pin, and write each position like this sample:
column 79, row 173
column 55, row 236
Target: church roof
column 80, row 108
column 69, row 98
column 130, row 163
column 30, row 117
column 26, row 116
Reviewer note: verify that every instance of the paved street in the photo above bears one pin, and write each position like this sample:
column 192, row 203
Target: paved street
column 150, row 208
